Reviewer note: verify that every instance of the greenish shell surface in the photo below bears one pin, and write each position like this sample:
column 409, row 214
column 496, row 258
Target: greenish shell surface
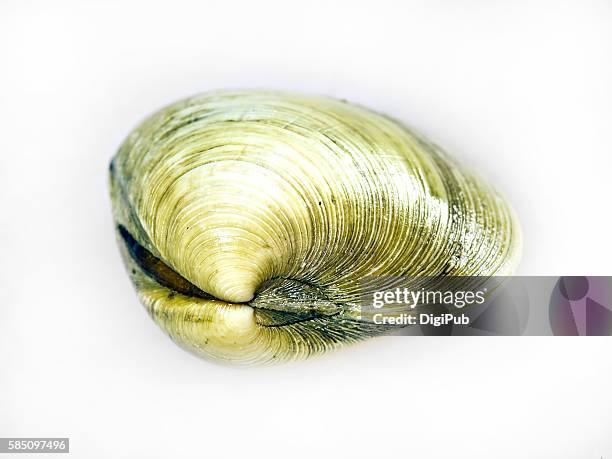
column 252, row 222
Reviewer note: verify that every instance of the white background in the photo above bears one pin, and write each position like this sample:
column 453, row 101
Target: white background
column 519, row 90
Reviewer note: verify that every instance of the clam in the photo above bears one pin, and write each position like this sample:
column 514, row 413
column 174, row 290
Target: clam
column 252, row 222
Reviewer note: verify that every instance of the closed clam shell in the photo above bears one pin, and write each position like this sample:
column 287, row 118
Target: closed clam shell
column 252, row 222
